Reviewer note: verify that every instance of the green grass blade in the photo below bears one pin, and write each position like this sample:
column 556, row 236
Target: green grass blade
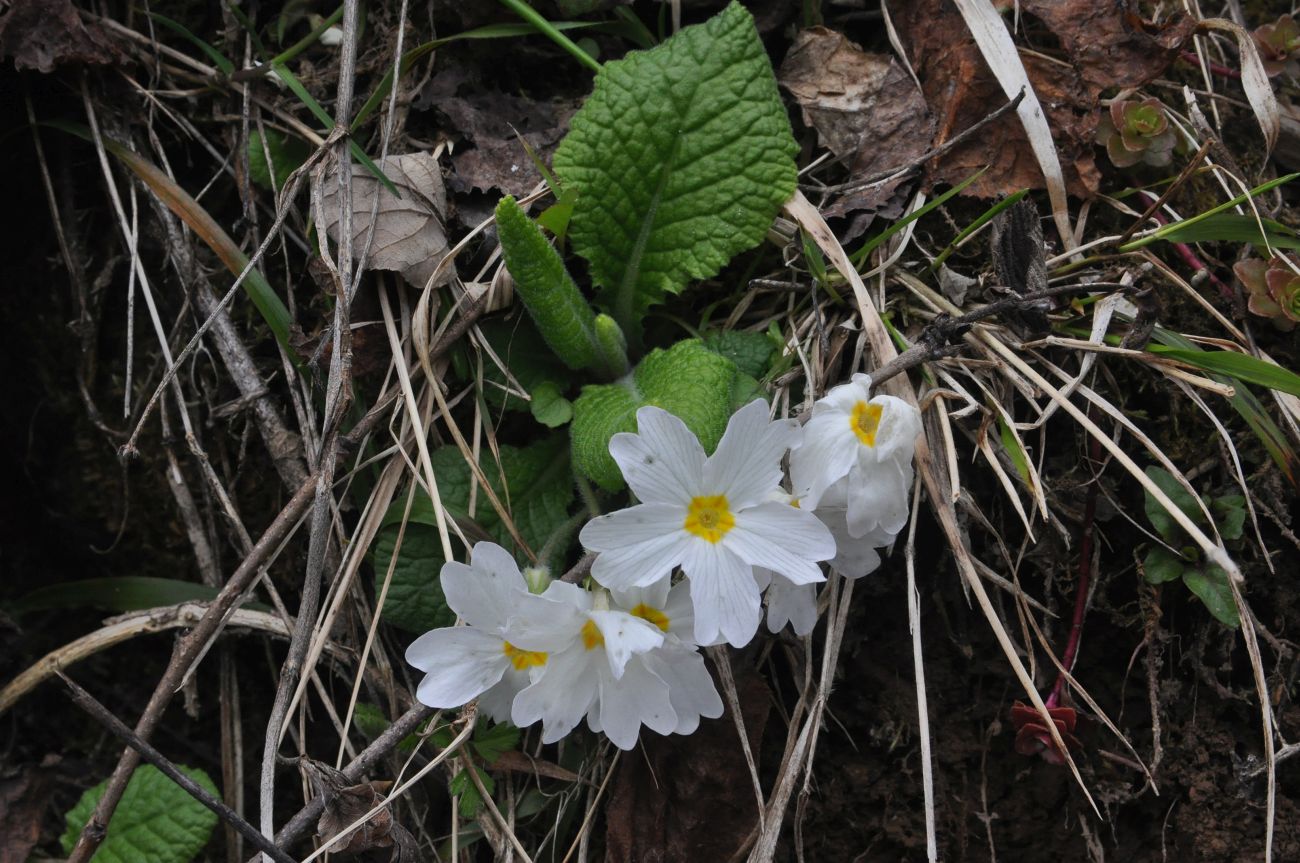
column 529, row 14
column 1164, row 232
column 218, row 59
column 310, row 39
column 989, row 215
column 1243, row 367
column 861, row 255
column 121, row 593
column 1236, row 228
column 1244, row 403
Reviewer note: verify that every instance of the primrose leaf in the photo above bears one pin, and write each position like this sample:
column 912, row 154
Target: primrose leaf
column 492, row 741
column 1161, row 520
column 751, row 352
column 540, row 492
column 415, row 601
column 1211, row 585
column 1162, row 565
column 681, row 156
column 157, row 821
column 686, row 380
column 1229, row 514
column 550, row 407
column 562, row 315
column 287, row 154
column 470, row 800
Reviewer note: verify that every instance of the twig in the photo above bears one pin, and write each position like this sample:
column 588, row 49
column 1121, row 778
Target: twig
column 1177, row 184
column 933, row 342
column 118, row 729
column 338, row 394
column 188, row 650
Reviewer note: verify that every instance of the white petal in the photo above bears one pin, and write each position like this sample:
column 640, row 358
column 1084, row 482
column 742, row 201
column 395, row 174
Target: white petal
column 639, row 698
column 497, row 701
column 652, row 595
column 840, row 400
column 783, row 539
column 900, row 424
column 854, row 556
column 680, row 612
column 690, row 687
column 641, row 564
column 827, row 453
column 549, row 622
column 624, row 636
column 878, row 497
column 636, row 524
column 724, row 593
column 485, row 592
column 663, row 462
column 462, row 663
column 795, row 604
column 747, row 462
column 561, row 696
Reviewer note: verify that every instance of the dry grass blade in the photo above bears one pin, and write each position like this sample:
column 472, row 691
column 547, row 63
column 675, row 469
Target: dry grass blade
column 1254, row 80
column 999, row 50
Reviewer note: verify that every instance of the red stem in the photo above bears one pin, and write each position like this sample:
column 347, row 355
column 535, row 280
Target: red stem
column 1085, row 577
column 1222, row 71
column 1188, row 255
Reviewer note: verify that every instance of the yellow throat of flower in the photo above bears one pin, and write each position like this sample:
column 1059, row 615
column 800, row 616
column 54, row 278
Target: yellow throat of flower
column 709, row 518
column 652, row 615
column 865, row 422
column 523, row 660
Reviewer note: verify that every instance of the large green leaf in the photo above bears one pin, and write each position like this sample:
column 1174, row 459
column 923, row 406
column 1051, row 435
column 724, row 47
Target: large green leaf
column 538, row 491
column 681, row 156
column 156, row 822
column 751, row 352
column 687, row 380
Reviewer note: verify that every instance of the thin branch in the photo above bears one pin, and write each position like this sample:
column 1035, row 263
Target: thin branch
column 118, row 729
column 188, row 650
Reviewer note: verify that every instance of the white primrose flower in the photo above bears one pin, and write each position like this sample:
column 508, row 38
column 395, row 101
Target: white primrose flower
column 478, row 660
column 865, row 442
column 596, row 674
column 676, row 663
column 710, row 515
column 855, row 556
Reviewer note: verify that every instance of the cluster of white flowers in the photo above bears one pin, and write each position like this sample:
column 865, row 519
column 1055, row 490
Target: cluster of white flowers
column 625, row 653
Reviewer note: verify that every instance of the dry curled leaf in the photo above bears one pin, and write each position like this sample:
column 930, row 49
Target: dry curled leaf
column 46, row 34
column 865, row 107
column 408, row 231
column 380, row 838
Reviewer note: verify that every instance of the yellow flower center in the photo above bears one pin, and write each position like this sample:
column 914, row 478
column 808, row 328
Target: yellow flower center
column 523, row 660
column 709, row 517
column 591, row 637
column 653, row 615
column 865, row 421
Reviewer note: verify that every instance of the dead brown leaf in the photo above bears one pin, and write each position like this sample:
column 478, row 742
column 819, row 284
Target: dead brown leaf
column 380, row 838
column 689, row 798
column 23, row 796
column 865, row 107
column 409, row 236
column 489, row 120
column 46, row 34
column 1101, row 46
